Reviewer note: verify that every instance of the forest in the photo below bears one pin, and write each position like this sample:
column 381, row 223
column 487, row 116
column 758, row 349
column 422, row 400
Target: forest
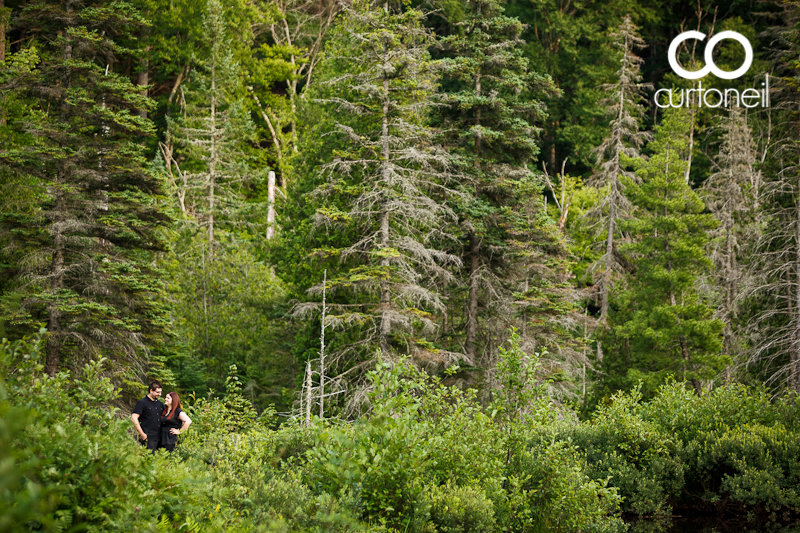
column 412, row 266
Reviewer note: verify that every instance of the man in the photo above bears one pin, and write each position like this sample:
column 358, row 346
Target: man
column 147, row 417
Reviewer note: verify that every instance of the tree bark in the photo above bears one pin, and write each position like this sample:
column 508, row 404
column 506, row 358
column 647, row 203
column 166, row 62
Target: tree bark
column 212, row 159
column 612, row 213
column 794, row 359
column 2, row 51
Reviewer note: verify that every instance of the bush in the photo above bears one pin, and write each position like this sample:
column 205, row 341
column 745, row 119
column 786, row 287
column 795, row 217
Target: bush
column 427, row 459
column 455, row 509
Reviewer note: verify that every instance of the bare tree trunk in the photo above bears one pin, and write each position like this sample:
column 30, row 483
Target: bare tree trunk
column 691, row 149
column 308, row 394
column 270, row 204
column 612, row 214
column 322, row 349
column 205, row 302
column 184, row 71
column 729, row 290
column 472, row 305
column 2, row 49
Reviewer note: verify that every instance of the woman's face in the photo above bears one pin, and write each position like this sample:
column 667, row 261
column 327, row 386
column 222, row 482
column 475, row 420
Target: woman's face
column 168, row 401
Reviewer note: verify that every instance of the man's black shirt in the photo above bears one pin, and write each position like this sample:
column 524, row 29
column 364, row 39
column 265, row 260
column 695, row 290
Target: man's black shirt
column 149, row 412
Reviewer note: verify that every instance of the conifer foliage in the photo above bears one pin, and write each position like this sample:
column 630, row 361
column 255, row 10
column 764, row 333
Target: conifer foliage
column 86, row 266
column 732, row 194
column 625, row 107
column 491, row 119
column 384, row 188
column 205, row 160
column 665, row 324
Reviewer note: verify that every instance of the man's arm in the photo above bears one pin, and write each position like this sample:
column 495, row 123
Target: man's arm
column 135, row 420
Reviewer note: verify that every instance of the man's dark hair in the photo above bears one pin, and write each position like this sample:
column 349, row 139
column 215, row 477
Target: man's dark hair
column 155, row 385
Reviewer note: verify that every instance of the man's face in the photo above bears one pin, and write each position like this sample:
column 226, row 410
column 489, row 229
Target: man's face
column 155, row 393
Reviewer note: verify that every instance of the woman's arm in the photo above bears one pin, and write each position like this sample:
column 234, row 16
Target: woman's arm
column 183, row 417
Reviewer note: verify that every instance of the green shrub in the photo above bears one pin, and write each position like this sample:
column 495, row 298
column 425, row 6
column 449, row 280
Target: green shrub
column 751, row 466
column 680, row 412
column 456, row 509
column 23, row 498
column 548, row 490
column 628, row 451
column 380, row 460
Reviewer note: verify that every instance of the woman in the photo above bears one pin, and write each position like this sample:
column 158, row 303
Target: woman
column 173, row 422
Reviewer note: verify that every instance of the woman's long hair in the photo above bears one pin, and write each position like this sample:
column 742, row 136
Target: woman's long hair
column 176, row 404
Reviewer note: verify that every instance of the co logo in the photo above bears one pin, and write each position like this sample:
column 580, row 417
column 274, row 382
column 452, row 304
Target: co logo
column 709, row 53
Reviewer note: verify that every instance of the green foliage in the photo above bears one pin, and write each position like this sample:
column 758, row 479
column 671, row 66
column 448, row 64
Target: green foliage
column 664, row 325
column 461, row 509
column 727, row 451
column 414, row 461
column 83, row 244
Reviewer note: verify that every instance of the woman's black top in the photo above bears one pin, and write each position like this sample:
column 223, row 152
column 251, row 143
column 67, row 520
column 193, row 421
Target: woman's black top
column 168, row 440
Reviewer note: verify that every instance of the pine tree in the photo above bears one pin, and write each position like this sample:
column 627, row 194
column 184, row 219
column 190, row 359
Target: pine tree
column 491, row 123
column 664, row 323
column 624, row 104
column 384, row 185
column 87, row 267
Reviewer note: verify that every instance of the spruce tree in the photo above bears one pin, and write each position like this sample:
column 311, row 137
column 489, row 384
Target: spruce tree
column 384, row 185
column 664, row 323
column 731, row 194
column 773, row 295
column 624, row 104
column 491, row 123
column 205, row 161
column 87, row 269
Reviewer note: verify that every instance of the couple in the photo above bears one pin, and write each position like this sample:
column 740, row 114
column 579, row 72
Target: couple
column 159, row 424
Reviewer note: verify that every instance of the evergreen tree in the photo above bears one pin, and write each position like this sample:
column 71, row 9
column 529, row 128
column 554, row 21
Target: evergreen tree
column 773, row 298
column 664, row 324
column 491, row 121
column 624, row 104
column 731, row 195
column 87, row 248
column 384, row 186
column 208, row 167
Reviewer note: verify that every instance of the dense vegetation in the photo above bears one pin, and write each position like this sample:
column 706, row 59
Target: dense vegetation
column 420, row 266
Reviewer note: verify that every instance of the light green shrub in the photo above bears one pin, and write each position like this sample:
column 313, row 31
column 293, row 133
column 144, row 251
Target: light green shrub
column 455, row 509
